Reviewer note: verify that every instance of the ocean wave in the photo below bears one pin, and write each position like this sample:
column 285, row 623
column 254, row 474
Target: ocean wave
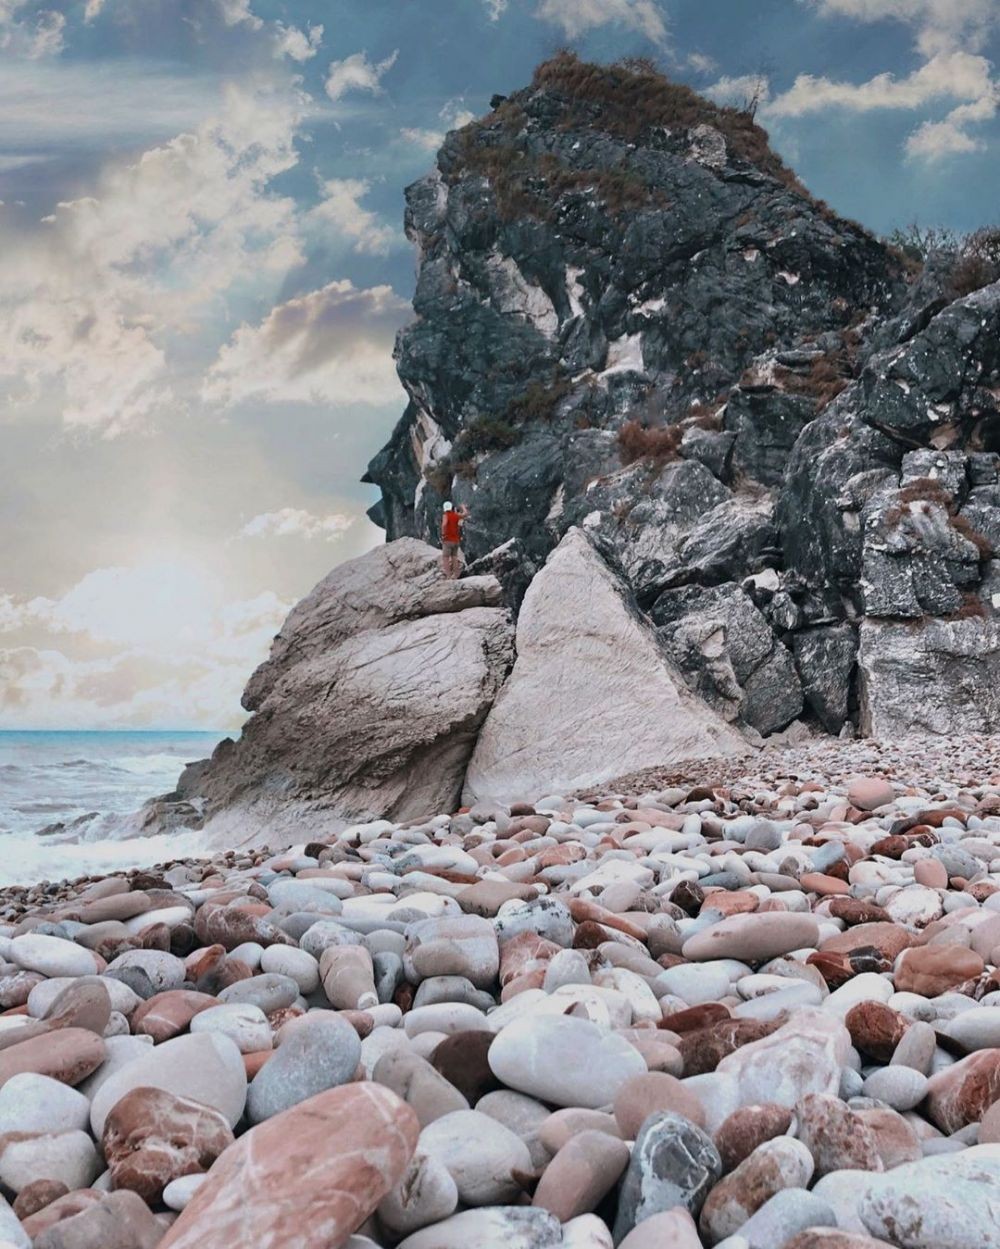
column 150, row 765
column 28, row 860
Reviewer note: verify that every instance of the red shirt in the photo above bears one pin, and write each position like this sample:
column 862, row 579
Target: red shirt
column 451, row 527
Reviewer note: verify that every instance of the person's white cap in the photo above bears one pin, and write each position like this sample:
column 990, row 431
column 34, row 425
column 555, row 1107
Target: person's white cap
column 447, row 507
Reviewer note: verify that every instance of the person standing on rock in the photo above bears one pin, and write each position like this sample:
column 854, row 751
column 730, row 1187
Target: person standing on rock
column 452, row 521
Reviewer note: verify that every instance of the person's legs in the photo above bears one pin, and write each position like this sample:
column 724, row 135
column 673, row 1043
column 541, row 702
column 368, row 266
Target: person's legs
column 449, row 559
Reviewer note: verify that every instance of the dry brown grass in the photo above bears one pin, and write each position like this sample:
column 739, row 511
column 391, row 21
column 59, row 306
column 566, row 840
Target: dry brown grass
column 657, row 443
column 978, row 263
column 973, row 608
column 925, row 489
column 532, row 186
column 634, row 97
column 827, row 376
column 979, row 540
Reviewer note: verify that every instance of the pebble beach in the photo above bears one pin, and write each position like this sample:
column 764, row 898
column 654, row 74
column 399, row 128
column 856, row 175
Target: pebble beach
column 752, row 1004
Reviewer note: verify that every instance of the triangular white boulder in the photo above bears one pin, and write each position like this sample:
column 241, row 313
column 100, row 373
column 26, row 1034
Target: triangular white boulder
column 592, row 695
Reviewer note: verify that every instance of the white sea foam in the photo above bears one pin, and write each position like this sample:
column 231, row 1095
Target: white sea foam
column 83, row 787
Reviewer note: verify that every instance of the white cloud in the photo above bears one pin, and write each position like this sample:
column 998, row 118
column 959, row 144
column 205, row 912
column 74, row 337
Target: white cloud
column 454, row 115
column 495, row 9
column 948, row 75
column 942, row 25
column 89, row 311
column 296, row 522
column 934, row 140
column 701, row 62
column 60, row 104
column 340, row 209
column 31, row 35
column 237, row 12
column 576, row 17
column 176, row 650
column 358, row 73
column 296, row 44
column 948, row 34
column 332, row 345
column 739, row 90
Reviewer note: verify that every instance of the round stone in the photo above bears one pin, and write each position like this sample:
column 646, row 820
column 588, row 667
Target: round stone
column 52, row 956
column 464, row 945
column 68, row 1158
column 67, row 1054
column 269, row 992
column 152, row 1137
column 245, row 1025
column 426, row 1194
column 977, row 1029
column 775, row 1165
column 564, row 1061
column 207, row 1068
column 741, row 1133
column 870, row 793
column 179, row 1192
column 640, row 1096
column 310, row 1176
column 36, row 1103
column 156, row 969
column 482, row 1156
column 581, row 1174
column 754, row 937
column 900, row 1087
column 298, row 965
column 318, row 1051
column 673, row 1164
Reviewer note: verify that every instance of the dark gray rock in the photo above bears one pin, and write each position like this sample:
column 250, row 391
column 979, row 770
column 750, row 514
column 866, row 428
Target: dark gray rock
column 767, row 694
column 766, row 425
column 674, row 1163
column 931, row 676
column 825, row 657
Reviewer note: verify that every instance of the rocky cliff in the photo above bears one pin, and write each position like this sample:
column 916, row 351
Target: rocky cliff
column 631, row 317
column 731, row 464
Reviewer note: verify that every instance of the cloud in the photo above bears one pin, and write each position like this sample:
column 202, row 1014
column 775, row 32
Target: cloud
column 340, row 209
column 296, row 522
column 177, row 652
column 89, row 311
column 358, row 73
column 701, row 62
column 62, row 105
column 31, row 34
column 737, row 91
column 296, row 44
column 237, row 12
column 948, row 75
column 942, row 25
column 454, row 115
column 495, row 9
column 576, row 17
column 332, row 345
column 949, row 34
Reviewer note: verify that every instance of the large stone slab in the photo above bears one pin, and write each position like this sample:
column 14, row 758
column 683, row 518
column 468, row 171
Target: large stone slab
column 592, row 694
column 309, row 1177
column 368, row 706
column 930, row 676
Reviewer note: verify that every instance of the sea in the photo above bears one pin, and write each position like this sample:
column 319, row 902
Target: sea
column 93, row 780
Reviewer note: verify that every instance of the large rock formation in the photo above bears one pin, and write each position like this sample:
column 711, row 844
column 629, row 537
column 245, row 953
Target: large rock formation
column 762, row 447
column 368, row 705
column 592, row 694
column 632, row 318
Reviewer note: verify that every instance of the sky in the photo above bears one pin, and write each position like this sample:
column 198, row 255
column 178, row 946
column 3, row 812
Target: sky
column 203, row 268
